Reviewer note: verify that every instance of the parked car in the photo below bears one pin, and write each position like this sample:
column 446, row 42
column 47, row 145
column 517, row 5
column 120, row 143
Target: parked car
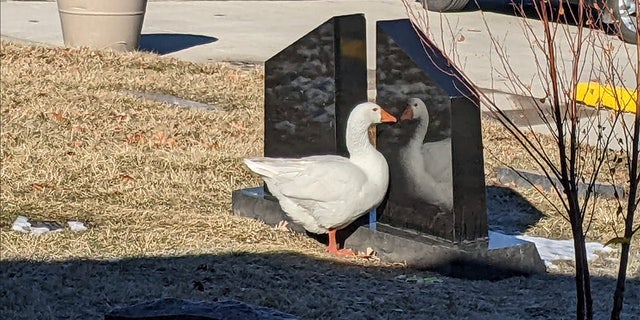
column 624, row 11
column 623, row 15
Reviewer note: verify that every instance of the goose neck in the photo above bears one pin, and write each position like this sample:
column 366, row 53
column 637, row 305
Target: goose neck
column 420, row 132
column 357, row 138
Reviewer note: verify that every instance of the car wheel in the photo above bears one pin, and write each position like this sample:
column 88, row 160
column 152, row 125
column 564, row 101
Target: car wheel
column 624, row 12
column 446, row 5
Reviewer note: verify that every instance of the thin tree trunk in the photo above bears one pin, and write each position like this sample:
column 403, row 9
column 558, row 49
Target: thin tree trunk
column 618, row 295
column 580, row 291
column 584, row 305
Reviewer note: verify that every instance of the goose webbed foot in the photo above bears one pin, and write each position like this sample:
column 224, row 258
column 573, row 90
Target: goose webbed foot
column 333, row 246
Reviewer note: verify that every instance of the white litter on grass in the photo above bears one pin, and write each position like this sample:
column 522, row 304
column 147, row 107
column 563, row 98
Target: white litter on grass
column 77, row 226
column 24, row 225
column 21, row 224
column 550, row 250
column 42, row 230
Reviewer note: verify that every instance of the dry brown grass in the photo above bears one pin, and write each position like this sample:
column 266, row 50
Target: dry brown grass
column 154, row 177
column 154, row 183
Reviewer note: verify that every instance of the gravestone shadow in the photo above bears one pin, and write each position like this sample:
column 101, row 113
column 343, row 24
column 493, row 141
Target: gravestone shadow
column 165, row 43
column 509, row 212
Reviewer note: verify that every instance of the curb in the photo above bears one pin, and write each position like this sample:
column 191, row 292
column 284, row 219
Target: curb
column 531, row 179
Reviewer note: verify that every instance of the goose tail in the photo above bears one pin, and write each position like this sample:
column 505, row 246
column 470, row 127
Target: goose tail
column 259, row 166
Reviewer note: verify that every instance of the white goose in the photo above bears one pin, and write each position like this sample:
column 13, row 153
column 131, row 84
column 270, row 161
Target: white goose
column 427, row 165
column 326, row 193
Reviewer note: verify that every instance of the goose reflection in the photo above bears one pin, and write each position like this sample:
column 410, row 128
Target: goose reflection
column 426, row 166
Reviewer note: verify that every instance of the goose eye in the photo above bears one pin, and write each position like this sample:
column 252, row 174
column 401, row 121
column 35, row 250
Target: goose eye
column 375, row 109
column 415, row 104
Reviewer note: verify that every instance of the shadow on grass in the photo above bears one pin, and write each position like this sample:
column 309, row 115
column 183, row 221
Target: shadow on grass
column 164, row 43
column 509, row 212
column 308, row 287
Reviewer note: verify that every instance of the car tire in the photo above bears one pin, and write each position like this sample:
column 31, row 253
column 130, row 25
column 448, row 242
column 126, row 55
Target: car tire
column 624, row 12
column 445, row 5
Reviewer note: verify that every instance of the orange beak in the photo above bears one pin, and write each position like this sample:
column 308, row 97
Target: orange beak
column 407, row 114
column 387, row 117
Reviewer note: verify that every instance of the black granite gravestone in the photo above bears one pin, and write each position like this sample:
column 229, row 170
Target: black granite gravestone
column 311, row 87
column 435, row 212
column 435, row 154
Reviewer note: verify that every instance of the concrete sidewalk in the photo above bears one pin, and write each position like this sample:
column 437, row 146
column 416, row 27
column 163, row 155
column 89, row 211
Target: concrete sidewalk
column 253, row 31
column 249, row 31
